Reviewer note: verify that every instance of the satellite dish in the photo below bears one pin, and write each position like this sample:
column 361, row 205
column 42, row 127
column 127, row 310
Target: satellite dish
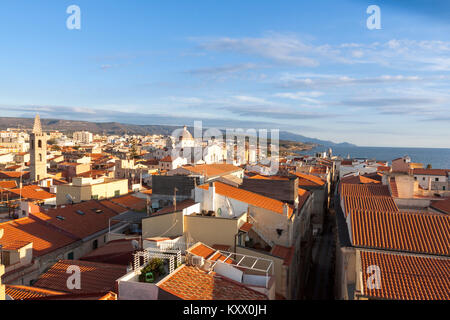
column 135, row 244
column 69, row 197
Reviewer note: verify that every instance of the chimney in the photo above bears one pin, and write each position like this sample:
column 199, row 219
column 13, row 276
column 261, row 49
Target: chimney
column 286, row 209
column 212, row 195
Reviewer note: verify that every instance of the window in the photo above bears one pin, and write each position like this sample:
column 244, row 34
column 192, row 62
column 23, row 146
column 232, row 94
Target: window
column 116, row 193
column 436, row 179
column 423, row 179
column 443, row 188
column 415, row 178
column 40, row 156
column 95, row 197
column 39, row 143
column 94, row 244
column 70, row 256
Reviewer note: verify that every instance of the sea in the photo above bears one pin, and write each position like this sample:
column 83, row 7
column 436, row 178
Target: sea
column 439, row 158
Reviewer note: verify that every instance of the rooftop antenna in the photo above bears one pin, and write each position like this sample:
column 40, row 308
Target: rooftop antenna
column 175, row 199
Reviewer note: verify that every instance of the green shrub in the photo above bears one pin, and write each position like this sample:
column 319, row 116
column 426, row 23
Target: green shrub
column 155, row 265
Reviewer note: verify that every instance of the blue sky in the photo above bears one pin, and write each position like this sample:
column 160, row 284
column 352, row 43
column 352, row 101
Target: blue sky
column 309, row 67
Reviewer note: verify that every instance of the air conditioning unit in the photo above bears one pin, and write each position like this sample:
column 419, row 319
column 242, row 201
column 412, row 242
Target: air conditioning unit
column 197, row 261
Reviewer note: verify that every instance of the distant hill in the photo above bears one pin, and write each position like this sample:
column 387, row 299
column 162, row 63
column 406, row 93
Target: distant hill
column 285, row 135
column 111, row 128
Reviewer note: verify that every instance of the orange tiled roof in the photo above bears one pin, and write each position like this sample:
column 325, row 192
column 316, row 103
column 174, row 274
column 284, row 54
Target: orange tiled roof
column 394, row 188
column 404, row 231
column 95, row 277
column 179, row 206
column 13, row 174
column 25, row 292
column 261, row 177
column 359, row 180
column 285, row 253
column 148, row 191
column 246, row 227
column 208, row 253
column 8, row 184
column 308, row 179
column 406, row 277
column 166, row 159
column 44, row 239
column 431, row 172
column 441, row 205
column 131, row 202
column 348, row 189
column 212, row 170
column 190, row 283
column 320, row 170
column 302, row 197
column 33, row 192
column 201, row 250
column 78, row 225
column 115, row 252
column 369, row 203
column 251, row 198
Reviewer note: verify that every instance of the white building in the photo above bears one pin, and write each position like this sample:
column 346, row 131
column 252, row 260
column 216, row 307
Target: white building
column 83, row 137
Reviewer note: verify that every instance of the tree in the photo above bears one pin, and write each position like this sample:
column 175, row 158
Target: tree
column 428, row 166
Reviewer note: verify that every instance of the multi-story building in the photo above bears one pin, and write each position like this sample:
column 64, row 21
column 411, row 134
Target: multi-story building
column 83, row 189
column 84, row 137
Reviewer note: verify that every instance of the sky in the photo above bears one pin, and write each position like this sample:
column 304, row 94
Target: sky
column 308, row 67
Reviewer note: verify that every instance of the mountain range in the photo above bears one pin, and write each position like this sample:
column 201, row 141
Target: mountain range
column 117, row 128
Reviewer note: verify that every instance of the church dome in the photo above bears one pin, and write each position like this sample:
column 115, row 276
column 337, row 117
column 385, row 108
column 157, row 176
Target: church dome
column 186, row 135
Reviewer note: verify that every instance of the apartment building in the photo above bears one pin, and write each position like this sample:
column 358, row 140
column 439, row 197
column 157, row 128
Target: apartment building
column 84, row 189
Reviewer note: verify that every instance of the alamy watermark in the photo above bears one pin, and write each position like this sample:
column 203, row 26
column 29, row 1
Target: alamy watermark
column 74, row 280
column 374, row 279
column 240, row 146
column 374, row 20
column 74, row 20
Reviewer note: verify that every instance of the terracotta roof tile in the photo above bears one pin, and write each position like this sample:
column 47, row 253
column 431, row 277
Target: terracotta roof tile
column 431, row 172
column 359, row 180
column 44, row 239
column 80, row 220
column 13, row 174
column 348, row 189
column 212, row 170
column 285, row 253
column 251, row 198
column 8, row 184
column 201, row 250
column 95, row 277
column 33, row 192
column 406, row 277
column 25, row 292
column 190, row 283
column 308, row 179
column 393, row 186
column 131, row 202
column 179, row 206
column 403, row 231
column 441, row 205
column 369, row 203
column 246, row 227
column 302, row 197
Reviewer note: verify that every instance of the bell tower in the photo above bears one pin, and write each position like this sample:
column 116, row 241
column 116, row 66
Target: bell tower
column 38, row 152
